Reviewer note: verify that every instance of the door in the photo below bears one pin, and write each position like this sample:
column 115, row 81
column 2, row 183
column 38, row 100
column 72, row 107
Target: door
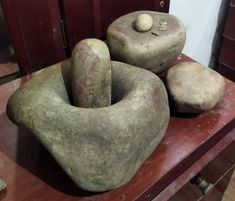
column 35, row 31
column 44, row 32
column 90, row 18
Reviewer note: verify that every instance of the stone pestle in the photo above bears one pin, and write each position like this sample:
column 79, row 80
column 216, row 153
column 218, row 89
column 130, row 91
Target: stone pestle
column 91, row 74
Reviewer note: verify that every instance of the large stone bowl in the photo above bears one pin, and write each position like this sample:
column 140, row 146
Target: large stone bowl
column 153, row 50
column 99, row 148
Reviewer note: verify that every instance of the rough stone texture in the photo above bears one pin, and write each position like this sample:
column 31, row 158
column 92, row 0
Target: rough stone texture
column 153, row 50
column 99, row 148
column 91, row 74
column 193, row 87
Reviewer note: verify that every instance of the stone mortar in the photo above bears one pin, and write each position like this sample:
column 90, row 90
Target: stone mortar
column 99, row 148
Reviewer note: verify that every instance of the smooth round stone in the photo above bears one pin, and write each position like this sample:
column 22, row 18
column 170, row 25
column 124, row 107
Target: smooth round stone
column 143, row 22
column 153, row 50
column 91, row 74
column 99, row 148
column 194, row 88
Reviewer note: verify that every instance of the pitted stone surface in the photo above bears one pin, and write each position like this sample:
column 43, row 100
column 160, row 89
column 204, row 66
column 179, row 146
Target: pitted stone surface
column 153, row 50
column 99, row 148
column 91, row 74
column 194, row 88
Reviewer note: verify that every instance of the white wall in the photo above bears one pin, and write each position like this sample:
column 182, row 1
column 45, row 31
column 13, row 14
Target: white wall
column 200, row 18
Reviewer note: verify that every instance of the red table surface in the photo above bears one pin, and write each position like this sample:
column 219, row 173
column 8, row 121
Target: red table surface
column 31, row 173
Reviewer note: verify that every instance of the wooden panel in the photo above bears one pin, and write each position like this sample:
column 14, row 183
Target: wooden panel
column 229, row 30
column 227, row 72
column 35, row 31
column 217, row 172
column 227, row 55
column 90, row 18
column 175, row 187
column 112, row 9
column 8, row 69
column 219, row 193
column 232, row 3
column 79, row 20
column 189, row 192
column 220, row 165
column 227, row 185
column 32, row 174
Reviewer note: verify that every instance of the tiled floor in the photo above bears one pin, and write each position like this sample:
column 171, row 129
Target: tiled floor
column 8, row 72
column 7, row 69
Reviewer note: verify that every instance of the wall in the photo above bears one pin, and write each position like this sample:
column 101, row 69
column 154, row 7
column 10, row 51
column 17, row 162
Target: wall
column 4, row 35
column 200, row 19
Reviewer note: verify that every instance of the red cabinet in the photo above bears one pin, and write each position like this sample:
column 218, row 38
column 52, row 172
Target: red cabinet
column 90, row 18
column 35, row 32
column 227, row 53
column 44, row 32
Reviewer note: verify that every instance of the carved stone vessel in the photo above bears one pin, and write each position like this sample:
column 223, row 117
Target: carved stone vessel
column 134, row 40
column 99, row 148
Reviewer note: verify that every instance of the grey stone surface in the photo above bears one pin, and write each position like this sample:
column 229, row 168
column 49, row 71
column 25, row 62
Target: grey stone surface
column 99, row 148
column 194, row 88
column 153, row 50
column 91, row 74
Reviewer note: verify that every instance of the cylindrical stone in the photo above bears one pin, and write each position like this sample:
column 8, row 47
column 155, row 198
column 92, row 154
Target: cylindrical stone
column 91, row 74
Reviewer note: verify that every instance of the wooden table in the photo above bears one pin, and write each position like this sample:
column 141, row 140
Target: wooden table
column 190, row 143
